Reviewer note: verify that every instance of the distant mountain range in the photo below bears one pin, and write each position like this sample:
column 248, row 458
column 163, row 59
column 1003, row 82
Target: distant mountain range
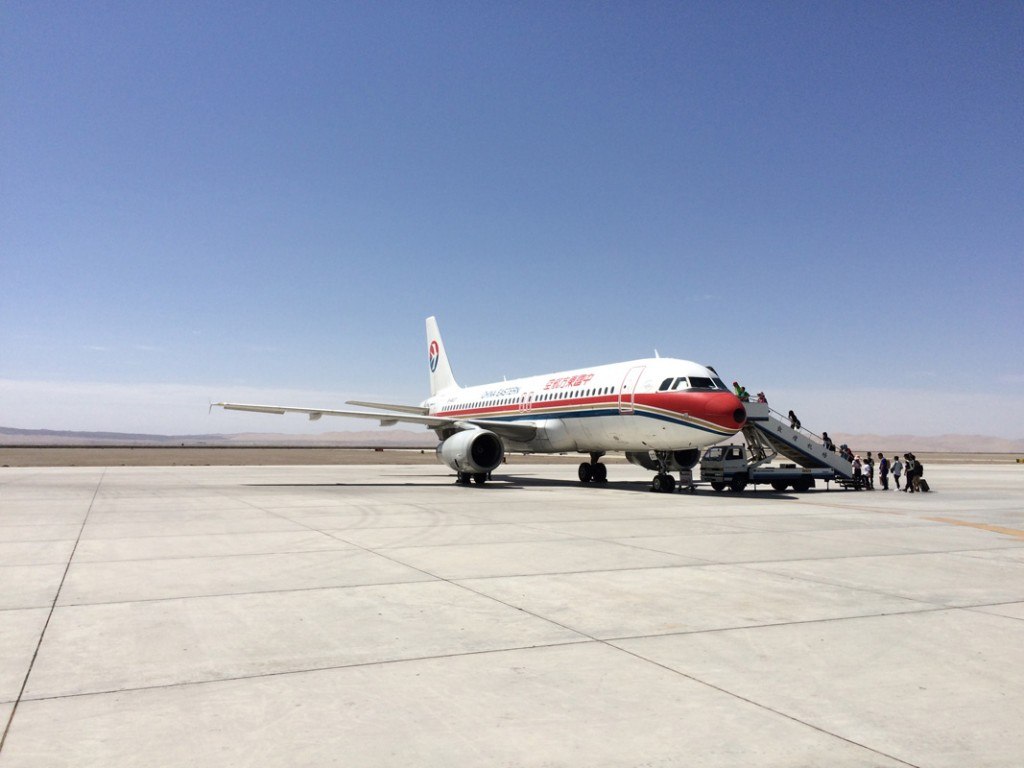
column 423, row 439
column 370, row 438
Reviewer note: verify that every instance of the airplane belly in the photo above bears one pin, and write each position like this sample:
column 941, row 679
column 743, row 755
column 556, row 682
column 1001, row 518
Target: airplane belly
column 645, row 433
column 558, row 435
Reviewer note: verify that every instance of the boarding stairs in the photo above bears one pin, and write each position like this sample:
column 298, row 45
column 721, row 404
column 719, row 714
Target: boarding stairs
column 769, row 434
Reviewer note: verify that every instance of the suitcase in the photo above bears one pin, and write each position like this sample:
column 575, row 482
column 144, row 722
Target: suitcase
column 922, row 485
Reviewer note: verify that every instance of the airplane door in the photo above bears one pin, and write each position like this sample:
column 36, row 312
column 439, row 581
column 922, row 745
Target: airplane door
column 628, row 388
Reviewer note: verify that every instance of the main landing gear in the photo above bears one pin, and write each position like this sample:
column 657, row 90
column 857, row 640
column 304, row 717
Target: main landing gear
column 593, row 471
column 465, row 478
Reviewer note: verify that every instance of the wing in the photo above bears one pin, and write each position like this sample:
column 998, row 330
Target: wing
column 418, row 409
column 519, row 431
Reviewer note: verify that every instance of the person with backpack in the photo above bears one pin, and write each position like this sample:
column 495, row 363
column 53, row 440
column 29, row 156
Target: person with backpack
column 920, row 484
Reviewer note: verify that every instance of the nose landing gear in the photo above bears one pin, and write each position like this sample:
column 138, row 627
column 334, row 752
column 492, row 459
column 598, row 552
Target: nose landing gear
column 663, row 482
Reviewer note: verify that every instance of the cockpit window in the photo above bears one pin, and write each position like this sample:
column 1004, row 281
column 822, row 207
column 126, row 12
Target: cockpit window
column 692, row 382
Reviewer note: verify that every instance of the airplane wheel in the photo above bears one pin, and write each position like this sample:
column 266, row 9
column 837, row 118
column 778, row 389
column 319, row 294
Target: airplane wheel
column 480, row 478
column 718, row 485
column 463, row 478
column 663, row 483
column 586, row 472
column 600, row 473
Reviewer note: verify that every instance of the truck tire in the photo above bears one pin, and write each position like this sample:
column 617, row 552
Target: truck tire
column 738, row 483
column 718, row 485
column 803, row 485
column 779, row 485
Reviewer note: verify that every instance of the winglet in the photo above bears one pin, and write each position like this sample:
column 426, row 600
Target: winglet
column 441, row 376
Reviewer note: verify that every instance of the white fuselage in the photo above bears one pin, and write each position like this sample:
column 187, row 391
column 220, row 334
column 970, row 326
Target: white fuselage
column 617, row 407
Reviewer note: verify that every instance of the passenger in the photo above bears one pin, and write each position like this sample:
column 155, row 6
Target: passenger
column 794, row 422
column 883, row 471
column 761, row 398
column 911, row 471
column 897, row 470
column 829, row 445
column 869, row 471
column 914, row 478
column 857, row 473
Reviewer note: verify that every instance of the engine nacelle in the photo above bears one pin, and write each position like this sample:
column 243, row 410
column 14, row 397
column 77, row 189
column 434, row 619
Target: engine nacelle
column 474, row 450
column 679, row 460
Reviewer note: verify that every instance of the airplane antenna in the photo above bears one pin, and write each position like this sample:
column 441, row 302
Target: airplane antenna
column 656, row 352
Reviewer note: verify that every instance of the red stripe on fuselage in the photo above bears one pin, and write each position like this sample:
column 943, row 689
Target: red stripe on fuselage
column 718, row 408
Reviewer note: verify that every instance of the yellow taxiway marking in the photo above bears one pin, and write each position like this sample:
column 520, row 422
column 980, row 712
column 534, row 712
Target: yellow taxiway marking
column 982, row 526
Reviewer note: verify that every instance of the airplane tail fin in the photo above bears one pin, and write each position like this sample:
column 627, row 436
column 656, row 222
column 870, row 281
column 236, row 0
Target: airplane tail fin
column 441, row 376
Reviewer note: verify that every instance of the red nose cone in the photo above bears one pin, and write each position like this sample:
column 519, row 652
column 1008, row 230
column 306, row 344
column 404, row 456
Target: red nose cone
column 725, row 410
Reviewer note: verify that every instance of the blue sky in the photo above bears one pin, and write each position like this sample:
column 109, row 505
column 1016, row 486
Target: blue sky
column 257, row 200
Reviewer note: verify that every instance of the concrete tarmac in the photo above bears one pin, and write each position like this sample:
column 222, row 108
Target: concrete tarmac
column 382, row 616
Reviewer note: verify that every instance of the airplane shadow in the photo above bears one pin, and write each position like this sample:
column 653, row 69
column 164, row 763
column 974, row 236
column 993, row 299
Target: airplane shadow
column 506, row 483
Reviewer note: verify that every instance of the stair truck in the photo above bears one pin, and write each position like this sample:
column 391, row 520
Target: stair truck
column 769, row 435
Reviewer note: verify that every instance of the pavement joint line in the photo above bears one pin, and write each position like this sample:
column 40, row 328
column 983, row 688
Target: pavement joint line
column 797, row 623
column 827, row 583
column 977, row 609
column 325, row 588
column 46, row 624
column 84, row 563
column 764, row 707
column 905, row 551
column 313, row 670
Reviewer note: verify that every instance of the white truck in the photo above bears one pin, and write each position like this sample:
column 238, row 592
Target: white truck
column 729, row 466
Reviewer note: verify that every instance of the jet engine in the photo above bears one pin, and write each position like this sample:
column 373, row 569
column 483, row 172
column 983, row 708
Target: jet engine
column 677, row 461
column 472, row 451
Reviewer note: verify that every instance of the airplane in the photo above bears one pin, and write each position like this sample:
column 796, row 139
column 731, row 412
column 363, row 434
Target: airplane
column 659, row 411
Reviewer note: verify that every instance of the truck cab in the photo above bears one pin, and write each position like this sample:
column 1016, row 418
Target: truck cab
column 724, row 465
